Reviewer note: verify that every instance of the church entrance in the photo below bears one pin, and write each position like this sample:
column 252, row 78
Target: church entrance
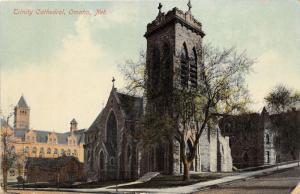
column 160, row 158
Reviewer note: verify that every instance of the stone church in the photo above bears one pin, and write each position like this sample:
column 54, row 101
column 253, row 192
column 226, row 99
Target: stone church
column 113, row 149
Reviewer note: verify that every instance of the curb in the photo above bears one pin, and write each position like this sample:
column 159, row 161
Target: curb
column 296, row 190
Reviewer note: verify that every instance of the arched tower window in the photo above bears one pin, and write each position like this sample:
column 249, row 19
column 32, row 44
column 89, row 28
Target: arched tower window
column 111, row 133
column 193, row 69
column 101, row 160
column 189, row 146
column 184, row 66
column 167, row 74
column 155, row 74
column 267, row 138
column 128, row 152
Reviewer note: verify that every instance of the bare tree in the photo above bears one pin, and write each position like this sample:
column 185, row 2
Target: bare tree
column 134, row 74
column 221, row 89
column 9, row 155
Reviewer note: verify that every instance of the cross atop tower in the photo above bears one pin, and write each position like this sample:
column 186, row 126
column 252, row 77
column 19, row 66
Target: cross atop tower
column 189, row 5
column 113, row 81
column 159, row 7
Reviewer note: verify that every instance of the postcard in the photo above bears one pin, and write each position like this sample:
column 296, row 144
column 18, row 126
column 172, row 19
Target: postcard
column 149, row 96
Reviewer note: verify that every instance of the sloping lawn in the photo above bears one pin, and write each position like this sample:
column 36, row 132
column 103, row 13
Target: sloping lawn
column 163, row 181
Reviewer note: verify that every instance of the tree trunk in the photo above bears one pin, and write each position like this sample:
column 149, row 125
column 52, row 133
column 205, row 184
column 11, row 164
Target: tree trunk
column 186, row 171
column 4, row 178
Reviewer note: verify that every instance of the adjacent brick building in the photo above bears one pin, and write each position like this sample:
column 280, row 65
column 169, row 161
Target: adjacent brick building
column 255, row 139
column 54, row 170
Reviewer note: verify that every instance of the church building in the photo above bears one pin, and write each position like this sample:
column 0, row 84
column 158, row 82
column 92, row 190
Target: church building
column 113, row 149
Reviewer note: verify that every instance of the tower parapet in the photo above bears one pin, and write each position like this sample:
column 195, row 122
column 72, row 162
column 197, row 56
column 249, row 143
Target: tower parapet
column 175, row 15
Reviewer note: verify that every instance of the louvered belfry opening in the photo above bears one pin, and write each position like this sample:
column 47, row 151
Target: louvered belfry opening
column 193, row 69
column 184, row 67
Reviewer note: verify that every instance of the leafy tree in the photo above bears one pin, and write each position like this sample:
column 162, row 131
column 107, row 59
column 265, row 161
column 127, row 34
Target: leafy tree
column 282, row 98
column 287, row 130
column 286, row 124
column 221, row 90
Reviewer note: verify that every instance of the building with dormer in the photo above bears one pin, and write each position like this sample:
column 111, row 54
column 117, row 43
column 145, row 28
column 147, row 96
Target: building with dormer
column 32, row 143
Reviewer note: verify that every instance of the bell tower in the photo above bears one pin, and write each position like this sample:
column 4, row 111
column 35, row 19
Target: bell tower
column 73, row 125
column 174, row 41
column 22, row 114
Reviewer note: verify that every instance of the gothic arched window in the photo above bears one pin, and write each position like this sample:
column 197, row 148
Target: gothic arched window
column 128, row 152
column 267, row 138
column 167, row 73
column 101, row 160
column 49, row 151
column 111, row 133
column 155, row 72
column 184, row 66
column 193, row 69
column 55, row 151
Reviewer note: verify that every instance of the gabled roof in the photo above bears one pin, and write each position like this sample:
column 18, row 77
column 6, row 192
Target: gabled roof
column 42, row 136
column 22, row 103
column 131, row 105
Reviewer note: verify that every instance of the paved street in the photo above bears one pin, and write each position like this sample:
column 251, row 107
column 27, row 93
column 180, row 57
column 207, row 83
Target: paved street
column 280, row 183
column 269, row 181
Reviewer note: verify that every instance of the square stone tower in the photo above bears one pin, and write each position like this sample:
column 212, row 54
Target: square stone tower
column 174, row 42
column 173, row 60
column 22, row 114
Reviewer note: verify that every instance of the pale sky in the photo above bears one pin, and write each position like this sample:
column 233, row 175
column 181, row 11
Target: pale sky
column 63, row 65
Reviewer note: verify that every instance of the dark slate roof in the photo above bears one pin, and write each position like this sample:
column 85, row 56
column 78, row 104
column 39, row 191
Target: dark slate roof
column 131, row 105
column 51, row 163
column 22, row 103
column 42, row 136
column 20, row 133
column 73, row 121
column 79, row 134
column 96, row 123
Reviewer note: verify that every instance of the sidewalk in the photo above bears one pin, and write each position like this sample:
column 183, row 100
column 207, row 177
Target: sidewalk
column 183, row 189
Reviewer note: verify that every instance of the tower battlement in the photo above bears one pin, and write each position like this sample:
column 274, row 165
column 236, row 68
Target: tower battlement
column 175, row 15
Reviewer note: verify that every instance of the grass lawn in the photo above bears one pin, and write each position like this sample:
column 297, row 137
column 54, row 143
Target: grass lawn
column 65, row 185
column 163, row 181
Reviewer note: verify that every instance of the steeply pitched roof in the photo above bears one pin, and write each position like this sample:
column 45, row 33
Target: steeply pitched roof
column 73, row 121
column 22, row 102
column 42, row 136
column 131, row 105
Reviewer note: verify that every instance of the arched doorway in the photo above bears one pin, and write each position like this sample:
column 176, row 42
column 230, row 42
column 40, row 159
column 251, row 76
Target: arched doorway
column 101, row 160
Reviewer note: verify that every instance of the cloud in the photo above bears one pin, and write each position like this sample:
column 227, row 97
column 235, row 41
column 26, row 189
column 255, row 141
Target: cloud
column 73, row 83
column 272, row 68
